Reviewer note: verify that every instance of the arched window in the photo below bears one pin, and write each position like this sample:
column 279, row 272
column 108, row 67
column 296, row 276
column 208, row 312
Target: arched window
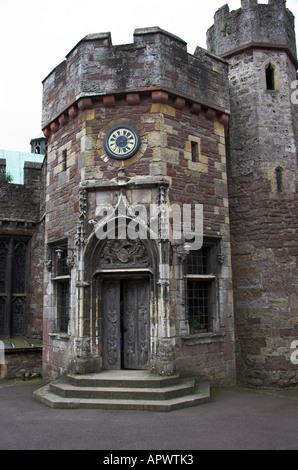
column 279, row 180
column 270, row 77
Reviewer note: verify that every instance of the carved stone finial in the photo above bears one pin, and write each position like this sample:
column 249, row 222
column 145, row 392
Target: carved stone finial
column 92, row 223
column 48, row 264
column 70, row 262
column 122, row 178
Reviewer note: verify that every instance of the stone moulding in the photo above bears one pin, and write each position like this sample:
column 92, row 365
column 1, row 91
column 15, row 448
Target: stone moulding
column 12, row 225
column 261, row 45
column 137, row 181
column 202, row 338
column 211, row 112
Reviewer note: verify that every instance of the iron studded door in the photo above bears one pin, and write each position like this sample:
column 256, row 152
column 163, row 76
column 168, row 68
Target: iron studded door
column 135, row 311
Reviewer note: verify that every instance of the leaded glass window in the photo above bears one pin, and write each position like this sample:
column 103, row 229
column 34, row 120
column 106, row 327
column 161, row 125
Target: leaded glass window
column 62, row 306
column 18, row 315
column 200, row 277
column 3, row 315
column 61, row 278
column 19, row 269
column 3, row 267
column 13, row 286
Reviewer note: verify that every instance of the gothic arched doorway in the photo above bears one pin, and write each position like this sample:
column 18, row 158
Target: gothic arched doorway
column 123, row 302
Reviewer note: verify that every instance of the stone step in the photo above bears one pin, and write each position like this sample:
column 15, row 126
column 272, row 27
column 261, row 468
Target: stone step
column 67, row 390
column 122, row 378
column 201, row 395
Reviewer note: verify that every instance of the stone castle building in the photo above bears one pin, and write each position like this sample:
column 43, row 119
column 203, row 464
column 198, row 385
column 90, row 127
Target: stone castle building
column 161, row 231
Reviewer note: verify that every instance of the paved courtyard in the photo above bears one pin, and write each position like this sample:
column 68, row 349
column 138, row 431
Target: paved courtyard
column 235, row 419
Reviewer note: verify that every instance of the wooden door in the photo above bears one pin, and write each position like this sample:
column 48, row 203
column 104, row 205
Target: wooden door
column 136, row 343
column 126, row 313
column 111, row 325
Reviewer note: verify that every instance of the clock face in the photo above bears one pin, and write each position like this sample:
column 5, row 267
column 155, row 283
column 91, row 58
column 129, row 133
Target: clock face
column 122, row 142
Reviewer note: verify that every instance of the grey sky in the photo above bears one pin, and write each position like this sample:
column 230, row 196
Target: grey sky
column 35, row 36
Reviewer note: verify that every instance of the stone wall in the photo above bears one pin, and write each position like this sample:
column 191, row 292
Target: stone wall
column 262, row 139
column 22, row 202
column 22, row 365
column 21, row 217
column 264, row 261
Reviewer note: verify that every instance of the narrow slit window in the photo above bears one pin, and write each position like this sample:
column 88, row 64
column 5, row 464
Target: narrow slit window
column 270, row 79
column 279, row 180
column 64, row 160
column 194, row 151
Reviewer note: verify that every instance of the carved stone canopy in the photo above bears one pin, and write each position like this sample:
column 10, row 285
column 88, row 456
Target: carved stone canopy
column 124, row 253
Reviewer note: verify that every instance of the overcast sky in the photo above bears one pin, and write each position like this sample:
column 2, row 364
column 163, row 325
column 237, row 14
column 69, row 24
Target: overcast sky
column 35, row 37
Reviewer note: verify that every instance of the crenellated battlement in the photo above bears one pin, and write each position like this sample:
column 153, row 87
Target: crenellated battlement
column 270, row 25
column 95, row 70
column 32, row 174
column 20, row 203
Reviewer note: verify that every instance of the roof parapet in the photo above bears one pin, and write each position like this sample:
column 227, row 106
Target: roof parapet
column 254, row 23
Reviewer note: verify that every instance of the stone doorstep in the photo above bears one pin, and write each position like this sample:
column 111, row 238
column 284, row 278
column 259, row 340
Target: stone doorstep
column 165, row 397
column 54, row 401
column 161, row 393
column 122, row 378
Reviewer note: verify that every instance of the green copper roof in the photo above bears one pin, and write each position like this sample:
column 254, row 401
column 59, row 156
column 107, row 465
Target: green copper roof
column 39, row 137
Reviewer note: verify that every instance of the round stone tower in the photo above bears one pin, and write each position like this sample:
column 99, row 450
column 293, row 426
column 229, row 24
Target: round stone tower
column 258, row 41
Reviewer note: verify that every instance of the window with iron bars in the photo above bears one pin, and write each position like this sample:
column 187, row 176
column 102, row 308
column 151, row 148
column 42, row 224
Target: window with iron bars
column 61, row 278
column 200, row 289
column 62, row 306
